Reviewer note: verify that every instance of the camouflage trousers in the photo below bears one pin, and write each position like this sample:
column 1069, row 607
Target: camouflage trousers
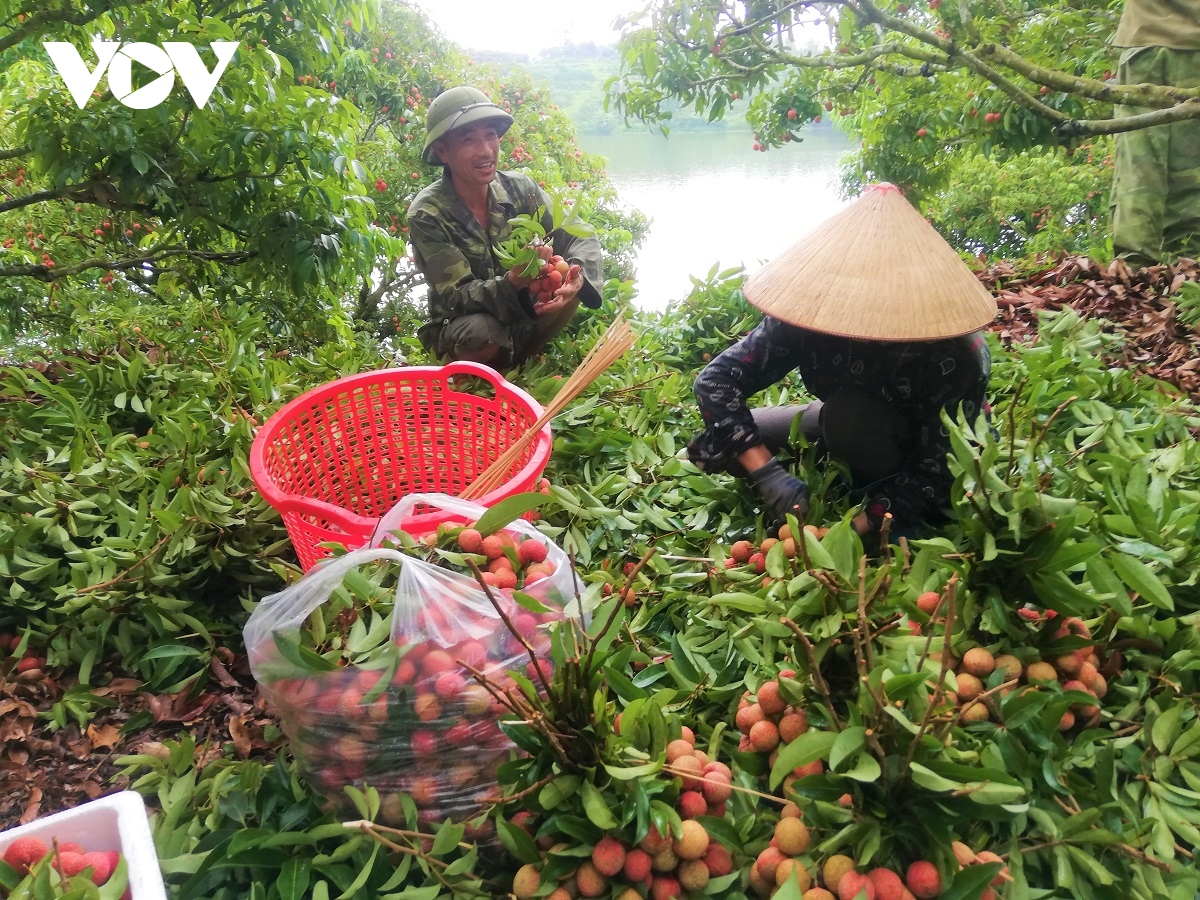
column 1156, row 187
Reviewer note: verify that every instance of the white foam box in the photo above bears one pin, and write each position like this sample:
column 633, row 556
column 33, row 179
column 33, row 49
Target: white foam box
column 116, row 822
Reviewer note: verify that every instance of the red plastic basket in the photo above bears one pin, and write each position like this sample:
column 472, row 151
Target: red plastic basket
column 335, row 459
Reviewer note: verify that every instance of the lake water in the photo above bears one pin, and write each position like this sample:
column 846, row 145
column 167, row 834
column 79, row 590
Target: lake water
column 712, row 199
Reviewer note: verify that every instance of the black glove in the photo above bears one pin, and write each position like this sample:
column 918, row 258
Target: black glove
column 783, row 492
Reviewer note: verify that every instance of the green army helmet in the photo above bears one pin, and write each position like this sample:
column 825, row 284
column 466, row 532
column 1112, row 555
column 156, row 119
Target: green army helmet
column 456, row 108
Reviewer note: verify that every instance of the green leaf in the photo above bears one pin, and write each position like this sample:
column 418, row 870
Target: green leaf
column 558, row 791
column 301, row 657
column 1138, row 577
column 531, row 603
column 170, row 651
column 447, row 838
column 865, row 769
column 846, row 745
column 790, row 889
column 1166, row 728
column 740, row 601
column 596, row 807
column 517, row 841
column 810, row 746
column 509, row 510
column 969, row 882
column 293, row 879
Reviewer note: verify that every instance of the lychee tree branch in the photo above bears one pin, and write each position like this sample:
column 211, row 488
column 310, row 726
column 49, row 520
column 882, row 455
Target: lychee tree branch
column 962, row 46
column 51, row 274
column 43, row 20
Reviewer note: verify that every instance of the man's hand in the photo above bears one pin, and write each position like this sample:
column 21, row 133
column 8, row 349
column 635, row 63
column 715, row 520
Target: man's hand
column 783, row 492
column 572, row 284
column 553, row 305
column 521, row 283
column 517, row 281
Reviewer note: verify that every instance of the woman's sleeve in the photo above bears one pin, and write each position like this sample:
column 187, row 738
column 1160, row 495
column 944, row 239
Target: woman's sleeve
column 722, row 390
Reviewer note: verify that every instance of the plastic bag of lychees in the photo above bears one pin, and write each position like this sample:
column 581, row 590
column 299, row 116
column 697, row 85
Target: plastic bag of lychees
column 369, row 661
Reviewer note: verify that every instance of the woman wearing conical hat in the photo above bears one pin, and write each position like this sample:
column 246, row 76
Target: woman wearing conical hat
column 881, row 319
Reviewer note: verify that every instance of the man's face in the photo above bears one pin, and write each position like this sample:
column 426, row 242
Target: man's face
column 471, row 153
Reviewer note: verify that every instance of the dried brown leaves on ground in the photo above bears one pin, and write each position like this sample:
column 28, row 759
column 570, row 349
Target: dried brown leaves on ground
column 1140, row 304
column 43, row 770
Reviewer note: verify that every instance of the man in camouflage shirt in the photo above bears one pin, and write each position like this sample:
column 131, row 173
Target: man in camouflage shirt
column 478, row 311
column 1156, row 186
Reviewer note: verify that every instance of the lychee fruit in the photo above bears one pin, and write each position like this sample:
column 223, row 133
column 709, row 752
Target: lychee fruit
column 759, row 883
column 818, row 893
column 793, row 868
column 975, row 712
column 591, row 882
column 692, row 805
column 741, row 551
column 693, row 842
column 678, row 749
column 693, row 875
column 665, row 887
column 964, row 854
column 665, row 861
column 470, row 540
column 1009, row 665
column 492, row 547
column 531, row 552
column 888, row 885
column 103, row 863
column 764, row 736
column 792, row 726
column 768, row 862
column 855, row 886
column 969, row 687
column 749, row 716
column 718, row 787
column 923, row 879
column 608, row 856
column 979, row 662
column 526, row 882
column 833, row 870
column 1040, row 672
column 637, row 865
column 24, row 852
column 928, row 602
column 718, row 860
column 792, row 837
column 69, row 863
column 768, row 698
column 690, row 773
column 987, row 856
column 655, row 843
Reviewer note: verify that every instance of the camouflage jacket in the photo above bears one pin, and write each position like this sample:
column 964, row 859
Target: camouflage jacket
column 455, row 254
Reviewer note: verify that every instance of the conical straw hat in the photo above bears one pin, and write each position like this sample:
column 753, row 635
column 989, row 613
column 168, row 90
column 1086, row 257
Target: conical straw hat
column 875, row 271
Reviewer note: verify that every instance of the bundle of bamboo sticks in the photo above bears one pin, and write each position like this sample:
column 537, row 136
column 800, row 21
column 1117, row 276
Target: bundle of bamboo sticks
column 612, row 344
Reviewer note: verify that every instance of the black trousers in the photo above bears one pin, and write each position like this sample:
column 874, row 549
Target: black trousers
column 853, row 427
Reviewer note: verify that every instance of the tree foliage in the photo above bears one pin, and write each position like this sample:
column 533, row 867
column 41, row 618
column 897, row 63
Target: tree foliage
column 289, row 188
column 927, row 87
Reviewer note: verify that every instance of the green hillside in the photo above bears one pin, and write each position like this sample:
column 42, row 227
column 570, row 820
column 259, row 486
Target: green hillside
column 575, row 75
